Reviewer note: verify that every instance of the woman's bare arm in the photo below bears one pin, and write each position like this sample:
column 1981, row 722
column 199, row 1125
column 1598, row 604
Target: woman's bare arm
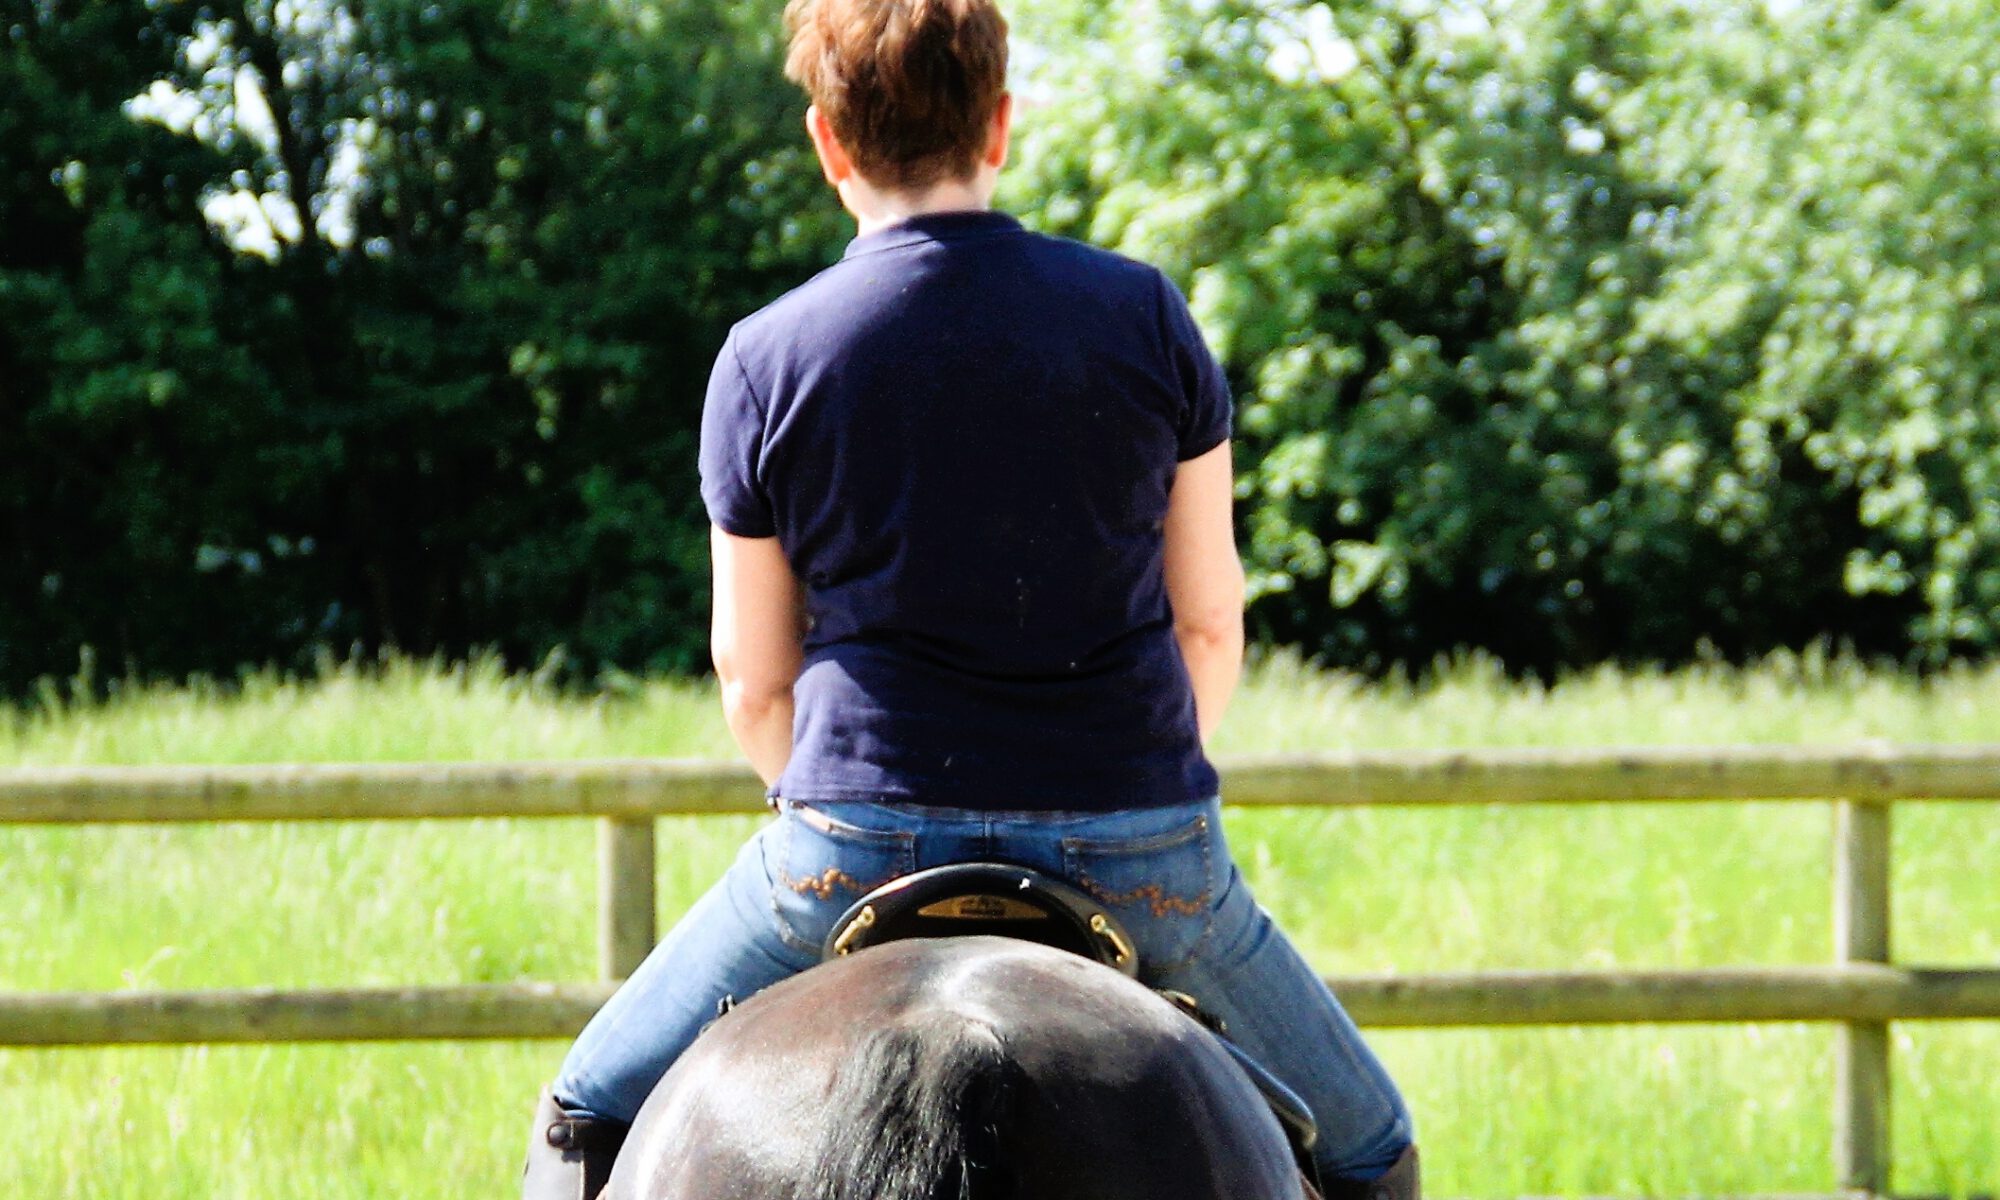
column 755, row 637
column 1205, row 581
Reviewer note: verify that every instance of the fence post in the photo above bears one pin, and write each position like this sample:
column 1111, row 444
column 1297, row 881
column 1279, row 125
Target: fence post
column 1861, row 935
column 624, row 894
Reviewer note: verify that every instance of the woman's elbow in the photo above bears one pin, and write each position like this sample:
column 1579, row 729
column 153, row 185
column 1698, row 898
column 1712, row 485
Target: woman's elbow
column 1218, row 625
column 1213, row 638
column 1212, row 612
column 753, row 701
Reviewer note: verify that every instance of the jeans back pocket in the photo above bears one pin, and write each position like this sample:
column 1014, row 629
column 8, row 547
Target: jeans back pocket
column 1161, row 886
column 819, row 866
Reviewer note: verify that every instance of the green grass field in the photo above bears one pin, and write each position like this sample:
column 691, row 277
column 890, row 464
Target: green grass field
column 1636, row 1110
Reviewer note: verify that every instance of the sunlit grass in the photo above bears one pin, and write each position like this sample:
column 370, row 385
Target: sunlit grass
column 400, row 710
column 1629, row 1110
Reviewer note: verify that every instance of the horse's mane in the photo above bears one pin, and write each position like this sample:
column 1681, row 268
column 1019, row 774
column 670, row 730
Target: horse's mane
column 929, row 1095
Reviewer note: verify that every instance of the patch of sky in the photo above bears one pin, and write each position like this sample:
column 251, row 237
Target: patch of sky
column 224, row 98
column 1305, row 47
column 1584, row 140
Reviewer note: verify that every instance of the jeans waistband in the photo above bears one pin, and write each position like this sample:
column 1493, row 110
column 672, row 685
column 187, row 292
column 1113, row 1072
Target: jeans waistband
column 857, row 812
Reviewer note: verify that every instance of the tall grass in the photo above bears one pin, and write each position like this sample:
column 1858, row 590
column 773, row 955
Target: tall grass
column 1643, row 1110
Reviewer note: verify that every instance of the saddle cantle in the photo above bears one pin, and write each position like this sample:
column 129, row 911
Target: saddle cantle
column 985, row 898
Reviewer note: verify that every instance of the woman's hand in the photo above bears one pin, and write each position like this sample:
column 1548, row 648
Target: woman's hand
column 755, row 636
column 1205, row 581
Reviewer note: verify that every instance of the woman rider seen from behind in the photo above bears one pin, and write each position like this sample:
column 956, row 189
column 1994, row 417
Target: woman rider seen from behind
column 977, row 597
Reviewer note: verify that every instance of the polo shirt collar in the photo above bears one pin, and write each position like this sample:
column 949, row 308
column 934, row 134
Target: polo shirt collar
column 933, row 227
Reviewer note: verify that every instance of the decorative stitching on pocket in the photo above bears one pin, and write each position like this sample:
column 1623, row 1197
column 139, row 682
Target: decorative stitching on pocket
column 824, row 883
column 1153, row 894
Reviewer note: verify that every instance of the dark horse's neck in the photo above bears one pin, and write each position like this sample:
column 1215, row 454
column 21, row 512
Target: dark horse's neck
column 956, row 1069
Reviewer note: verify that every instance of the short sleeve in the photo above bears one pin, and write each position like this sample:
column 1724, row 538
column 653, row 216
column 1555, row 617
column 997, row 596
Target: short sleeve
column 732, row 442
column 1205, row 404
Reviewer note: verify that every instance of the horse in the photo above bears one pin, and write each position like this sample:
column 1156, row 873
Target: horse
column 959, row 1068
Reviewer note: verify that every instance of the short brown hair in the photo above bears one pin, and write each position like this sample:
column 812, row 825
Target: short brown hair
column 909, row 86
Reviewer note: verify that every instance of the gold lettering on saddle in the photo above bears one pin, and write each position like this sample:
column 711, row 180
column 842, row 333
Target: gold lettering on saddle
column 982, row 908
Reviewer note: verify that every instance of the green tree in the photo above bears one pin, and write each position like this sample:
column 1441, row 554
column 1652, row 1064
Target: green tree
column 1572, row 329
column 1496, row 283
column 1840, row 266
column 113, row 311
column 412, row 348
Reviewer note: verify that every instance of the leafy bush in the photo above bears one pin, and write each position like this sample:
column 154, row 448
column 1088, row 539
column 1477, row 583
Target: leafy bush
column 1573, row 329
column 1570, row 329
column 452, row 406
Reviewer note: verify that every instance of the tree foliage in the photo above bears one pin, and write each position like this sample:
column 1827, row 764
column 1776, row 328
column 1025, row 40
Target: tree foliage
column 375, row 325
column 1572, row 329
column 1575, row 328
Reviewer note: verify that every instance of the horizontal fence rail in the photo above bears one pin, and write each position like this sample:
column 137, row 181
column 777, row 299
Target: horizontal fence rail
column 659, row 787
column 513, row 1011
column 1862, row 991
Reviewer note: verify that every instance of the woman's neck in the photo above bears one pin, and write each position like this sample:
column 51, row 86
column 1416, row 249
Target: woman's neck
column 878, row 208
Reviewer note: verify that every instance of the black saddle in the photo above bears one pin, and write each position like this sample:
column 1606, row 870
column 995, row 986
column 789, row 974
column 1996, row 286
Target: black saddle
column 1016, row 902
column 990, row 898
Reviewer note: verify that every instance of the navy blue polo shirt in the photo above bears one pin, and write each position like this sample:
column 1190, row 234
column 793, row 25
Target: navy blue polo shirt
column 962, row 435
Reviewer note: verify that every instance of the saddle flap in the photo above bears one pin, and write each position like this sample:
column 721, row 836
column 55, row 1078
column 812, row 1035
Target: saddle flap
column 985, row 898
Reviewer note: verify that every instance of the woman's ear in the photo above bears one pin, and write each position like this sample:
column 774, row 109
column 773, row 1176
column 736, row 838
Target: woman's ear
column 833, row 160
column 999, row 132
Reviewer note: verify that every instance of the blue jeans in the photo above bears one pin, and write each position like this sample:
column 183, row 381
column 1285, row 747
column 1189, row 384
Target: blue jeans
column 1165, row 872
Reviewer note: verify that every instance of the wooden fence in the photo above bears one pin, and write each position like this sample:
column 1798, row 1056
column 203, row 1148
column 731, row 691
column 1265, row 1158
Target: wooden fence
column 1862, row 989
